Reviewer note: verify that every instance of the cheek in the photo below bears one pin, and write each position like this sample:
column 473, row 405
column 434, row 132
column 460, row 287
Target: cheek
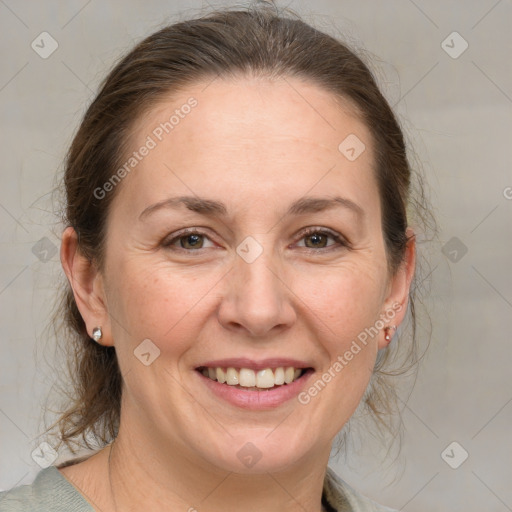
column 346, row 298
column 343, row 308
column 155, row 302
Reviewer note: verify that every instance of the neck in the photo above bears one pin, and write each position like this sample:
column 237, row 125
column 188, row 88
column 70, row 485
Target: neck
column 143, row 478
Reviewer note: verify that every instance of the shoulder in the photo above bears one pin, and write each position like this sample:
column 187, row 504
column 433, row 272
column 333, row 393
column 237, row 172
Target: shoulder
column 50, row 491
column 344, row 498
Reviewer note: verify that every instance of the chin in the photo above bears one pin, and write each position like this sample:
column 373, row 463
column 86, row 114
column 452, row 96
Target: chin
column 257, row 456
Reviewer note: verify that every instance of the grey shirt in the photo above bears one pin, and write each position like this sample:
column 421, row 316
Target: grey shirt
column 52, row 492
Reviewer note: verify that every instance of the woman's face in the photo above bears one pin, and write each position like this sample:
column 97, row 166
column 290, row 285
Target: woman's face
column 250, row 282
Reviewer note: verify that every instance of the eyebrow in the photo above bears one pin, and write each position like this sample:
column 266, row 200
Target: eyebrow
column 212, row 208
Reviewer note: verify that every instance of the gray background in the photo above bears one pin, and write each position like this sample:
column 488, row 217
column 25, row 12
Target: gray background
column 457, row 115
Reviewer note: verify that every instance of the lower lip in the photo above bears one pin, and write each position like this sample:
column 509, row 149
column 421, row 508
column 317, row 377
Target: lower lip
column 257, row 400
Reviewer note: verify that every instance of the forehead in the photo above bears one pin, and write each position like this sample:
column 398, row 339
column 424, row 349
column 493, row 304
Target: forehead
column 248, row 110
column 249, row 136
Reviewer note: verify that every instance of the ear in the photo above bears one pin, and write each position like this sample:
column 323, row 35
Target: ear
column 398, row 295
column 87, row 284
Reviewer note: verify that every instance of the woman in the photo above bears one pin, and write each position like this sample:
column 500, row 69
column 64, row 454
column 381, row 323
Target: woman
column 239, row 257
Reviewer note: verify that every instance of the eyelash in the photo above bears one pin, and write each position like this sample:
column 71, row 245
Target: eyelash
column 342, row 243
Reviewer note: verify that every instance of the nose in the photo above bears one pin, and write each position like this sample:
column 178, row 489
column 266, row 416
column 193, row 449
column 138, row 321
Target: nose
column 257, row 297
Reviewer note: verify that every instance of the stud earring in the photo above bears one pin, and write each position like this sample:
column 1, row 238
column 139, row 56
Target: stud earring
column 386, row 330
column 97, row 334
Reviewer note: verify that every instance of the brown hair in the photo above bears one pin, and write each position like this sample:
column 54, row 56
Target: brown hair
column 256, row 40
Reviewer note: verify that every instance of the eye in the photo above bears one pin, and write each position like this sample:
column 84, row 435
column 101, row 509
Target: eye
column 318, row 238
column 191, row 239
column 188, row 239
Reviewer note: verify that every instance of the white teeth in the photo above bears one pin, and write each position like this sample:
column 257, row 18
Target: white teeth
column 221, row 375
column 288, row 374
column 232, row 377
column 279, row 376
column 248, row 378
column 265, row 378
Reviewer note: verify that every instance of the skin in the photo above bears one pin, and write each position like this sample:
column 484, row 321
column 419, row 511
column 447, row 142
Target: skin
column 256, row 145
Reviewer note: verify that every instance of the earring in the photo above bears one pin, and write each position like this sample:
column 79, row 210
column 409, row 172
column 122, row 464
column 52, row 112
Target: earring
column 386, row 330
column 97, row 334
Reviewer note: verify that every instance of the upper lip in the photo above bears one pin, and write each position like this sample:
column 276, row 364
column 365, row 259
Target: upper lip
column 243, row 362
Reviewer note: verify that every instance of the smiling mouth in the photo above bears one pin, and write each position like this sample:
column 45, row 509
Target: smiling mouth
column 251, row 380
